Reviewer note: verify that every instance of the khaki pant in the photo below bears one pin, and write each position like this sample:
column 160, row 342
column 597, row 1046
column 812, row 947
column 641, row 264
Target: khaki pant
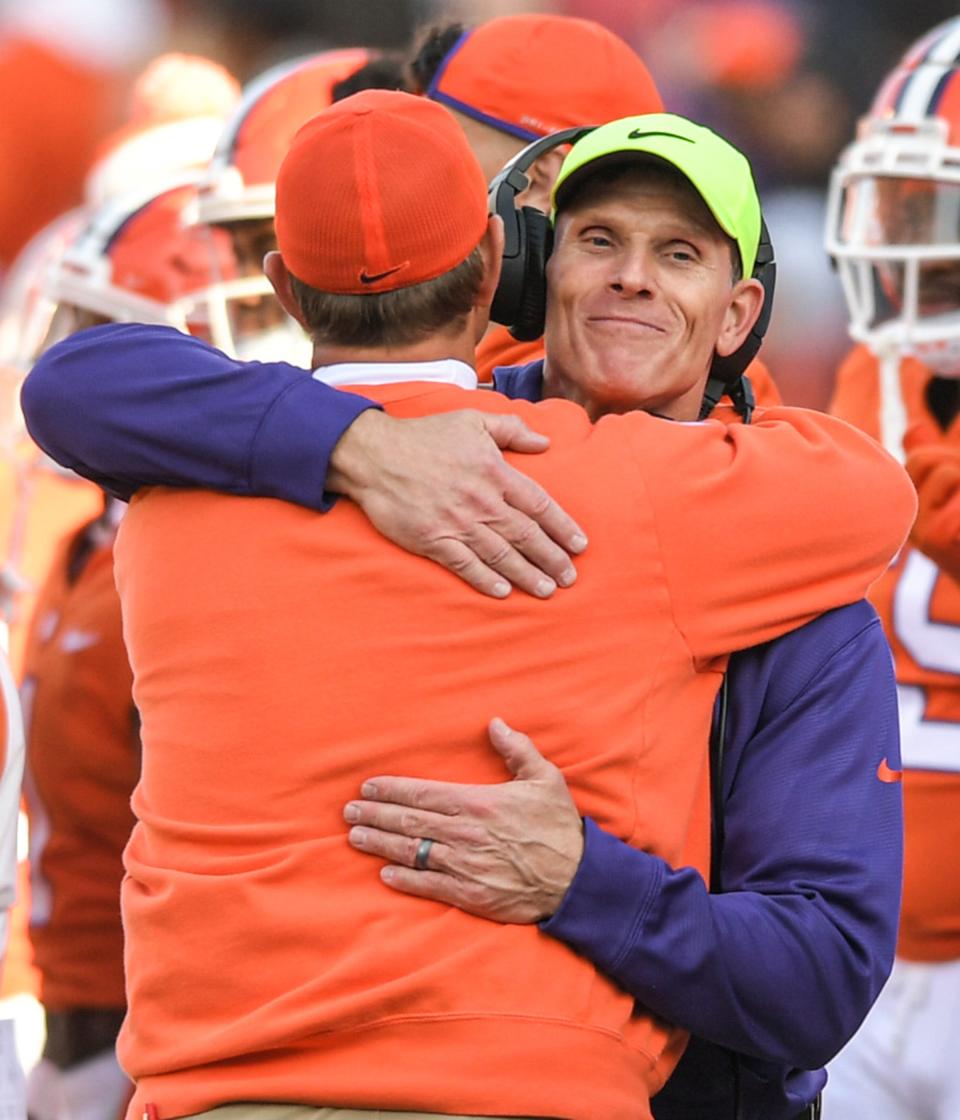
column 255, row 1111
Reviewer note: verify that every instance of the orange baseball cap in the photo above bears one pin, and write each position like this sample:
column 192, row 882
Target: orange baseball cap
column 530, row 75
column 379, row 192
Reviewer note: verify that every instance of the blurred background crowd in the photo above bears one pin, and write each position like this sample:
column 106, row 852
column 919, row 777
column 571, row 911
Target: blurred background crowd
column 785, row 79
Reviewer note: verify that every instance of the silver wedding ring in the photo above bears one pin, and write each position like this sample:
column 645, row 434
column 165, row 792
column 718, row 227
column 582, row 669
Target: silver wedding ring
column 423, row 854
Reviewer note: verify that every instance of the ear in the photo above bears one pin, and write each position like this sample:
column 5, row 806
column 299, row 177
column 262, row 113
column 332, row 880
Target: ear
column 491, row 252
column 742, row 312
column 279, row 276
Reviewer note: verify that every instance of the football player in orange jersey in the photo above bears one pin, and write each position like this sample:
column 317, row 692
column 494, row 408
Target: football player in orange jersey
column 38, row 500
column 136, row 259
column 178, row 106
column 894, row 231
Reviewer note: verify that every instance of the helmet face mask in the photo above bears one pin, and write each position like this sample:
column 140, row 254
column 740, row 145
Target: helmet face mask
column 136, row 260
column 896, row 242
column 893, row 212
column 244, row 315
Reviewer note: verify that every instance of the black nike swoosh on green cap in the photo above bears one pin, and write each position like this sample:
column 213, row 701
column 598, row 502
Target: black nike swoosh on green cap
column 638, row 135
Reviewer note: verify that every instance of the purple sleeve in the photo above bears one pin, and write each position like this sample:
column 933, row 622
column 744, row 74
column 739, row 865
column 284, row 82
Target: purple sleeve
column 785, row 964
column 129, row 406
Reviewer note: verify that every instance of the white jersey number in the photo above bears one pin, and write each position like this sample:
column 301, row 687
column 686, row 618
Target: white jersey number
column 924, row 744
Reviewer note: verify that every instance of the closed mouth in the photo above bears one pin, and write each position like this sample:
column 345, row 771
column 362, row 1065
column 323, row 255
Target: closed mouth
column 627, row 321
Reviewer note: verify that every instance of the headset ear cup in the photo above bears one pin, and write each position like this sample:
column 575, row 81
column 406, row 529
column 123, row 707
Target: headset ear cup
column 519, row 302
column 530, row 310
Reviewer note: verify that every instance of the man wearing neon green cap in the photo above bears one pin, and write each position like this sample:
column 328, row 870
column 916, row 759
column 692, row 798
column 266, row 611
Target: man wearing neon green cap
column 642, row 278
column 643, row 285
column 657, row 223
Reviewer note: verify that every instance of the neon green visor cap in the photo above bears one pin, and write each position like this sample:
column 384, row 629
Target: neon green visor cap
column 719, row 173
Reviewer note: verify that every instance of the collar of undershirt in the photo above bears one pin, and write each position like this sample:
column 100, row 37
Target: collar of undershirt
column 446, row 371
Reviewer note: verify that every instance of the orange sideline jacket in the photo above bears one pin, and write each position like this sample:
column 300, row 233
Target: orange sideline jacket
column 920, row 608
column 281, row 656
column 83, row 762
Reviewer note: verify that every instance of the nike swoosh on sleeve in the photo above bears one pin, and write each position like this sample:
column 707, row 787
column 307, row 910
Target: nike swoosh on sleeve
column 886, row 774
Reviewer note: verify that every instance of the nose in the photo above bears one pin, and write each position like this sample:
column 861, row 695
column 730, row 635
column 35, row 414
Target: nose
column 633, row 272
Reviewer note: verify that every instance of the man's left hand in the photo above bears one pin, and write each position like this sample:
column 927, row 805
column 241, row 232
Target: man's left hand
column 505, row 852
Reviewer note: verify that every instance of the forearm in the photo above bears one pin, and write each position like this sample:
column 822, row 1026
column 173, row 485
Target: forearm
column 772, row 976
column 129, row 406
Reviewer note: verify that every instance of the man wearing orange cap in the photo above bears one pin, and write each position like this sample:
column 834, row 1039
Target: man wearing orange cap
column 361, row 998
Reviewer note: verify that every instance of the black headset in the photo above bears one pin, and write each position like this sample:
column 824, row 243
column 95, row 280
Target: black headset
column 520, row 301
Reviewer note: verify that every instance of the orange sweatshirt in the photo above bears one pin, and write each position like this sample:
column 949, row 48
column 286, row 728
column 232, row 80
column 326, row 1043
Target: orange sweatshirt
column 281, row 656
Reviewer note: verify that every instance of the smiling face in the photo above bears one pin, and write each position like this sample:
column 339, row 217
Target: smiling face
column 641, row 292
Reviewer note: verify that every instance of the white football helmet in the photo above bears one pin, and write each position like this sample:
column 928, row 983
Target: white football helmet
column 139, row 258
column 893, row 215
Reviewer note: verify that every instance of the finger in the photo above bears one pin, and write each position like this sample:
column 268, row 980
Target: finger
column 396, row 849
column 398, row 819
column 511, row 433
column 423, row 884
column 446, row 798
column 531, row 543
column 458, row 558
column 522, row 758
column 530, row 499
column 497, row 553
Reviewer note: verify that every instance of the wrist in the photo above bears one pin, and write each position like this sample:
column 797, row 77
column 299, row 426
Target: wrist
column 353, row 456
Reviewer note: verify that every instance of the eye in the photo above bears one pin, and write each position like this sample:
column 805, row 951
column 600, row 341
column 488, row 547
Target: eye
column 596, row 237
column 682, row 253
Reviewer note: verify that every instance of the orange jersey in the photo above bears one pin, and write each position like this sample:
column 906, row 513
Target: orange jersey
column 498, row 347
column 920, row 608
column 38, row 505
column 282, row 656
column 83, row 762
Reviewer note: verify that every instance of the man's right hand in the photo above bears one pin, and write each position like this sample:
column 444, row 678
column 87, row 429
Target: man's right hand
column 439, row 486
